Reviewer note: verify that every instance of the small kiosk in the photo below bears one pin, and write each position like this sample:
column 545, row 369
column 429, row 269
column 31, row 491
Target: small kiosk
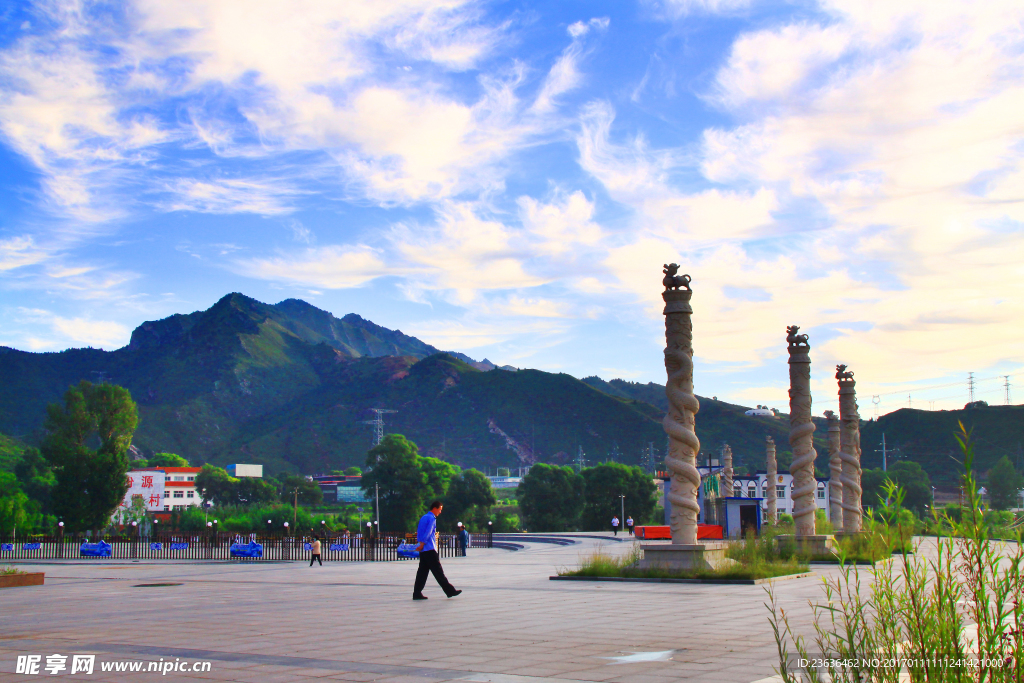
column 740, row 516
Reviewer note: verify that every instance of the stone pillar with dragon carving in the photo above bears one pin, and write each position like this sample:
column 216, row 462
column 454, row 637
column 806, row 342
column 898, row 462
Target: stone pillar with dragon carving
column 801, row 433
column 679, row 422
column 772, row 469
column 728, row 487
column 684, row 552
column 849, row 450
column 835, row 468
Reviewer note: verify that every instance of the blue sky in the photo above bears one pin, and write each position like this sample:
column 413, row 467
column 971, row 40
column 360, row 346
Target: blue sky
column 506, row 179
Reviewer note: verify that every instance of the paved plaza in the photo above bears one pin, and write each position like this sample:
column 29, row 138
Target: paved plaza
column 355, row 621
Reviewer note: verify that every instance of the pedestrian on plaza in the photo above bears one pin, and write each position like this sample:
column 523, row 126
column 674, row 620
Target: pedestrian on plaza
column 426, row 535
column 629, row 525
column 463, row 538
column 615, row 525
column 315, row 547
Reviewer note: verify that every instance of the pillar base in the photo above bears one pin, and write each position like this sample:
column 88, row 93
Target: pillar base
column 677, row 556
column 817, row 544
column 850, row 534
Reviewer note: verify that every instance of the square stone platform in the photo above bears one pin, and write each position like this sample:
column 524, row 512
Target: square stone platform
column 816, row 544
column 681, row 556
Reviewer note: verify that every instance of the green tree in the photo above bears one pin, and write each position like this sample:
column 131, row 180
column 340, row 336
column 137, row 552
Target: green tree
column 439, row 476
column 215, row 485
column 167, row 460
column 605, row 483
column 308, row 492
column 248, row 491
column 91, row 483
column 908, row 475
column 469, row 500
column 551, row 498
column 353, row 471
column 17, row 511
column 394, row 466
column 916, row 485
column 36, row 478
column 1004, row 485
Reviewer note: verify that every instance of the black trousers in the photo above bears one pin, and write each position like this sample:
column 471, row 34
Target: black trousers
column 316, row 557
column 431, row 563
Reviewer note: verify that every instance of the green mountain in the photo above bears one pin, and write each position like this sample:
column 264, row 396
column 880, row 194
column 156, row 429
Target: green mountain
column 928, row 437
column 292, row 387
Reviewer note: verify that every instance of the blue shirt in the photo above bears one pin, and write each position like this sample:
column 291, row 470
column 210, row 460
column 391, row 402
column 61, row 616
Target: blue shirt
column 425, row 531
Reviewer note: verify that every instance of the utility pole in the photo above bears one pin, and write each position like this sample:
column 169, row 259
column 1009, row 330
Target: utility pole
column 882, row 452
column 295, row 513
column 970, row 387
column 910, row 401
column 378, row 424
column 876, row 399
column 622, row 519
column 1006, row 387
column 581, row 462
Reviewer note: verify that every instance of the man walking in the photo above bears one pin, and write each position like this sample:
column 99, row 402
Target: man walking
column 629, row 525
column 615, row 525
column 426, row 535
column 315, row 547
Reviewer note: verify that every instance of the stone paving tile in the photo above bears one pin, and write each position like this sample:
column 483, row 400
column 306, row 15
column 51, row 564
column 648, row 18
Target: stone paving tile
column 511, row 620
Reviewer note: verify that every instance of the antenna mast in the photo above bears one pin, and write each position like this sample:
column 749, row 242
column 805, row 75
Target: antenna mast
column 970, row 387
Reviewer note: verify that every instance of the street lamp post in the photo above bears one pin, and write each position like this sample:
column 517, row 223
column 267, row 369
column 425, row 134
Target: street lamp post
column 622, row 519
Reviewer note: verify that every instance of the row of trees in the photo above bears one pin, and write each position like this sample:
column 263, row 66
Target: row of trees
column 405, row 483
column 557, row 498
column 77, row 475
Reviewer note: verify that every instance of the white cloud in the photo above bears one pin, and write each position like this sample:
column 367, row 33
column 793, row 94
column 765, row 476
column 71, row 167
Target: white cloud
column 16, row 252
column 329, row 267
column 96, row 333
column 565, row 225
column 229, row 196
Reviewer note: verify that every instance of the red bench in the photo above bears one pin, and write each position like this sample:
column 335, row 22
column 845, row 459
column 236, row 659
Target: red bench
column 652, row 533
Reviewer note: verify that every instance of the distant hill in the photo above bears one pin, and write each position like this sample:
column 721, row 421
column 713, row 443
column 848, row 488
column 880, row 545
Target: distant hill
column 291, row 386
column 927, row 437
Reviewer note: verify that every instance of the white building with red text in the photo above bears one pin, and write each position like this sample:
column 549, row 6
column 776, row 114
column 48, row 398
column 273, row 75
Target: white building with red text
column 164, row 488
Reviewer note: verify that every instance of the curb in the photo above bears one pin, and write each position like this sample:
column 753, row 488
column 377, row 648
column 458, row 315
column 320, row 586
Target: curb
column 736, row 582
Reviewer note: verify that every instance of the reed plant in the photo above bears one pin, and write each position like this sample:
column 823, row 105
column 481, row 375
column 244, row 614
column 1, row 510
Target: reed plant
column 957, row 616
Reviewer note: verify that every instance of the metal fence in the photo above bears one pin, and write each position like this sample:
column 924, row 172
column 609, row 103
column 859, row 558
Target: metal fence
column 210, row 546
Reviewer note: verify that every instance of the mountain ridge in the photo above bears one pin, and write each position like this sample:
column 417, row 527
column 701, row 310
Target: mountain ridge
column 291, row 385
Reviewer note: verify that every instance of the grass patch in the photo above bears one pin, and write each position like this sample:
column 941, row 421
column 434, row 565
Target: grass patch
column 751, row 561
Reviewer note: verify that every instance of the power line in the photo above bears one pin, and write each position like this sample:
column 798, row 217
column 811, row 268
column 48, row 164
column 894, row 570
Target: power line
column 918, row 390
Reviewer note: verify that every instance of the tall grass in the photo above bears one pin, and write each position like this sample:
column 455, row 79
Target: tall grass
column 925, row 618
column 752, row 559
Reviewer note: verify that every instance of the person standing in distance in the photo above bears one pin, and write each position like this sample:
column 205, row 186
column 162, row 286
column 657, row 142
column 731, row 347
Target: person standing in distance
column 463, row 538
column 315, row 548
column 615, row 525
column 629, row 525
column 426, row 535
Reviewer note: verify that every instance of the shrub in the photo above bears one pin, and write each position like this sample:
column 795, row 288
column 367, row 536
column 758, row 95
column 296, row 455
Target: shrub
column 921, row 609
